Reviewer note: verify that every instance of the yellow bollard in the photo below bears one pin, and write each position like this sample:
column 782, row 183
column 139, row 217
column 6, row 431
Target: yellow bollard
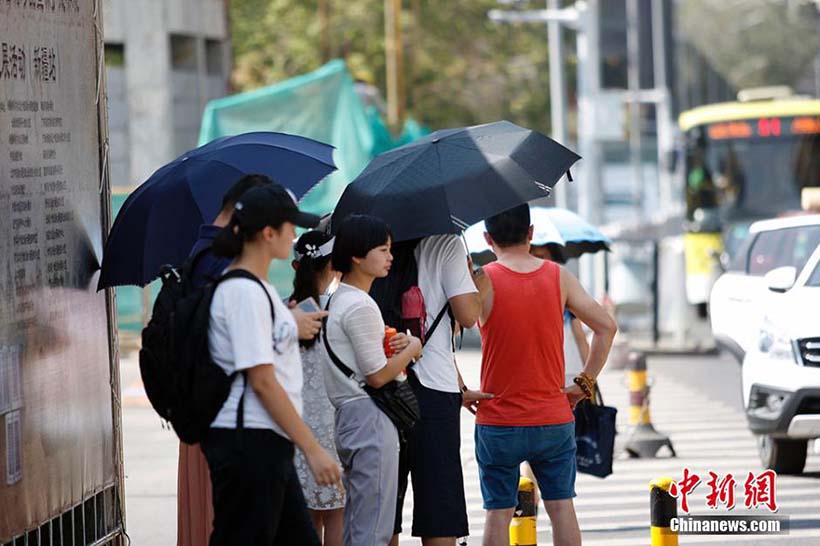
column 636, row 378
column 522, row 527
column 644, row 440
column 662, row 508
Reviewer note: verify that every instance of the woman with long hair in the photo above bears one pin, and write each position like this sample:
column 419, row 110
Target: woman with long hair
column 366, row 439
column 250, row 446
column 314, row 274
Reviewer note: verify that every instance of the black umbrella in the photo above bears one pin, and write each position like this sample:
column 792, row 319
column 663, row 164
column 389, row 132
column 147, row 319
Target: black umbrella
column 451, row 179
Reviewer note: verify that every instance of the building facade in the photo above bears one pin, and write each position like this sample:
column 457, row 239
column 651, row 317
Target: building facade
column 165, row 59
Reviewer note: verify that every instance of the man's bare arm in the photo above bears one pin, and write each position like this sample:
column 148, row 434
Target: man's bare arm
column 580, row 339
column 466, row 308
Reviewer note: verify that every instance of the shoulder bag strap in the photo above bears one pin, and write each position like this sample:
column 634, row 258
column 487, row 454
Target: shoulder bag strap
column 598, row 397
column 333, row 357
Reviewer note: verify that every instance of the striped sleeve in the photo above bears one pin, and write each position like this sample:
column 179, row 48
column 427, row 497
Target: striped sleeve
column 364, row 327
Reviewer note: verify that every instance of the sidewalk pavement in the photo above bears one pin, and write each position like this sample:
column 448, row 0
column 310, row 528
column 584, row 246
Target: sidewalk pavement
column 150, row 453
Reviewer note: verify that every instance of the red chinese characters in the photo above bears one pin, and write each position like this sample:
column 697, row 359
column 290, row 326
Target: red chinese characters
column 761, row 490
column 683, row 488
column 722, row 491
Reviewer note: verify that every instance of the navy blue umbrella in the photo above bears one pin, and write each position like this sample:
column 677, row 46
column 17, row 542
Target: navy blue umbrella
column 451, row 179
column 159, row 222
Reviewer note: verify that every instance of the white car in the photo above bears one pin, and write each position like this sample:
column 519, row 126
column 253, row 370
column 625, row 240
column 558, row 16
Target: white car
column 781, row 370
column 736, row 301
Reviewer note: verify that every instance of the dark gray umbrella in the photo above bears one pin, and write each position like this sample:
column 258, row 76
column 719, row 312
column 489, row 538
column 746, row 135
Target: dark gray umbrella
column 453, row 178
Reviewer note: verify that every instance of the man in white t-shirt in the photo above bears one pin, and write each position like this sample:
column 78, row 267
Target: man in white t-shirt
column 432, row 454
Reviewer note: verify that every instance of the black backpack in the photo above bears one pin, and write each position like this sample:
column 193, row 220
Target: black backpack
column 183, row 383
column 399, row 297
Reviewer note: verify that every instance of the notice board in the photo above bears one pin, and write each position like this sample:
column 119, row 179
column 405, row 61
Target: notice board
column 57, row 443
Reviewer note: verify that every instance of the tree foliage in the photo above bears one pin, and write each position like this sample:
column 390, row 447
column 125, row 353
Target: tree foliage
column 460, row 68
column 754, row 42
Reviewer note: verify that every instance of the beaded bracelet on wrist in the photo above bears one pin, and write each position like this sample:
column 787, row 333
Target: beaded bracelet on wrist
column 586, row 383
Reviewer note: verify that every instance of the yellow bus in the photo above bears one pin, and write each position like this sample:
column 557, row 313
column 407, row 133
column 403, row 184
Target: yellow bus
column 744, row 161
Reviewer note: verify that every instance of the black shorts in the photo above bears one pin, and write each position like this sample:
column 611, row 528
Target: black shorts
column 256, row 493
column 431, row 453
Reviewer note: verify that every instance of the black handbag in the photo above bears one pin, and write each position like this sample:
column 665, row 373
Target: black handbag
column 595, row 436
column 396, row 398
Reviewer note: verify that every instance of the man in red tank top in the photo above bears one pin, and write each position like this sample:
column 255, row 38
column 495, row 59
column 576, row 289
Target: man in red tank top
column 530, row 415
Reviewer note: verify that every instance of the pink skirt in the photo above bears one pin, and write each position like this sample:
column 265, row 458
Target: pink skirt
column 195, row 510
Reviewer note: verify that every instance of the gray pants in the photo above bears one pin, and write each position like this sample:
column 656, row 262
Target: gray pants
column 368, row 446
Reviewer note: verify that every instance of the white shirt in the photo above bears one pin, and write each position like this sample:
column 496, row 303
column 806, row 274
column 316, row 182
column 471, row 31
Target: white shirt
column 355, row 332
column 443, row 274
column 241, row 335
column 573, row 365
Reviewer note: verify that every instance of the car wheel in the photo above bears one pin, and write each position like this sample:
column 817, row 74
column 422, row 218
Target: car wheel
column 782, row 455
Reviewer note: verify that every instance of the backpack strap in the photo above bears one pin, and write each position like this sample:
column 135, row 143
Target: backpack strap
column 429, row 333
column 245, row 274
column 241, row 274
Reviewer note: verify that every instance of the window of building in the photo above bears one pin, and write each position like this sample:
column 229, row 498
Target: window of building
column 183, row 52
column 114, row 55
column 214, row 57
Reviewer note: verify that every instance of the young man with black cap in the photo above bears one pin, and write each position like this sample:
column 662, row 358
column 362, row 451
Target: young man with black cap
column 209, row 267
column 194, row 499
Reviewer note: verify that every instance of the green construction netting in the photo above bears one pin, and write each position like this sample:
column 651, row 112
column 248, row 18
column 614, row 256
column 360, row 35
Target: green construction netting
column 322, row 105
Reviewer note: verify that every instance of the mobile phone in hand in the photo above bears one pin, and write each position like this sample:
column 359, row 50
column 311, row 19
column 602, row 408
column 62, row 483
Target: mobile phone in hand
column 308, row 305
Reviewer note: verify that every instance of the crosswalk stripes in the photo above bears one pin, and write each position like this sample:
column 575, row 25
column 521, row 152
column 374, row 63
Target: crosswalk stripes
column 707, row 435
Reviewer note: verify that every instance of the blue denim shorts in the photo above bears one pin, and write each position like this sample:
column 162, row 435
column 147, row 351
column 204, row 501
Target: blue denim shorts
column 549, row 449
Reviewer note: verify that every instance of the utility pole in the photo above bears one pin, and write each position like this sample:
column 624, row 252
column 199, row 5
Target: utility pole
column 663, row 112
column 394, row 53
column 634, row 84
column 590, row 187
column 324, row 29
column 583, row 19
column 558, row 93
column 415, row 41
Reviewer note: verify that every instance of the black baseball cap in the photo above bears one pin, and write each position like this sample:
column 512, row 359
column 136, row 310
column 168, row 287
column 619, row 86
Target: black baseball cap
column 271, row 204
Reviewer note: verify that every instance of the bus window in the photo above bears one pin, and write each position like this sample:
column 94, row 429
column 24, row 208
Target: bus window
column 751, row 178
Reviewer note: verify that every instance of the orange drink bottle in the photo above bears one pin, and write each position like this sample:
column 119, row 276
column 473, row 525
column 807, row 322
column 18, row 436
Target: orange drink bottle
column 388, row 335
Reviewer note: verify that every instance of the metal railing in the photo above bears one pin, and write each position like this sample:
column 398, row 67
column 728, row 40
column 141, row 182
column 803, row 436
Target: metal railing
column 94, row 522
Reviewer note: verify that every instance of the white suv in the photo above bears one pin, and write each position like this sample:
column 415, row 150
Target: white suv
column 781, row 370
column 736, row 301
